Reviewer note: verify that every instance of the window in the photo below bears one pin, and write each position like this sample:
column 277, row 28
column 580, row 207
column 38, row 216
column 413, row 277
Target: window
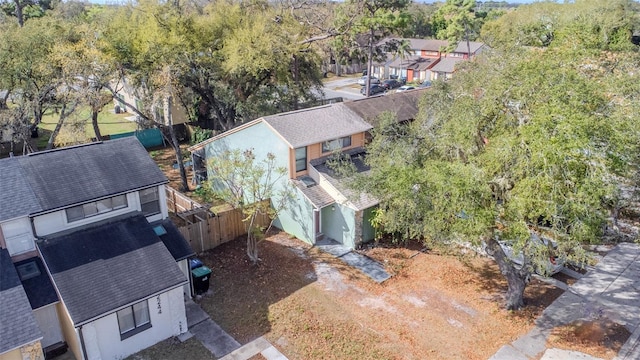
column 332, row 145
column 96, row 207
column 301, row 159
column 134, row 319
column 149, row 201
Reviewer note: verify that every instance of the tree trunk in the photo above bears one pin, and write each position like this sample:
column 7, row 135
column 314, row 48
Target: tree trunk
column 19, row 13
column 56, row 131
column 94, row 122
column 3, row 100
column 369, row 63
column 176, row 146
column 466, row 34
column 516, row 279
column 252, row 243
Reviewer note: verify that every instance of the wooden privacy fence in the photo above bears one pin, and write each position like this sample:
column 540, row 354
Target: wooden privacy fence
column 205, row 230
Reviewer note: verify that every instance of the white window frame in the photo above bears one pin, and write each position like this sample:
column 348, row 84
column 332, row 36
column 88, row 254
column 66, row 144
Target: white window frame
column 145, row 192
column 95, row 208
column 18, row 237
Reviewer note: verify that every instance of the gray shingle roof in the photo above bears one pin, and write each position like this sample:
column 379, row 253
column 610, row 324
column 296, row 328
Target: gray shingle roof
column 360, row 200
column 72, row 175
column 102, row 268
column 318, row 124
column 446, row 65
column 16, row 197
column 174, row 241
column 316, row 194
column 404, row 105
column 436, row 45
column 17, row 325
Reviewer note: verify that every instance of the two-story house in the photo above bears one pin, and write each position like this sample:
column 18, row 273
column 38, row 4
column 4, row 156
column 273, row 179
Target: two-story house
column 103, row 269
column 422, row 63
column 301, row 142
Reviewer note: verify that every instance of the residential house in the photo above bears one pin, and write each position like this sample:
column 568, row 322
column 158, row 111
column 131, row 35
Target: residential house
column 128, row 97
column 425, row 54
column 303, row 142
column 103, row 270
column 444, row 69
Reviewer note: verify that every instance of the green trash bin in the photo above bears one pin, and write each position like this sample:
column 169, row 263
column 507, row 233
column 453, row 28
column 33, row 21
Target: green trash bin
column 201, row 277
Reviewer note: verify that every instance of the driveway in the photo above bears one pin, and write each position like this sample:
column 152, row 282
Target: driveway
column 610, row 291
column 342, row 87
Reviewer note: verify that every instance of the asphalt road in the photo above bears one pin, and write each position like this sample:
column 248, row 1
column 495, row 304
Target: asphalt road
column 346, row 88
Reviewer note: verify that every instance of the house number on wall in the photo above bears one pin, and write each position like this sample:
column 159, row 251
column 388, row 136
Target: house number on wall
column 159, row 305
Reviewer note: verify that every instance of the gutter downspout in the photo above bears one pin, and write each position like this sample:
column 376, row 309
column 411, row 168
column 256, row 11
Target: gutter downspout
column 84, row 349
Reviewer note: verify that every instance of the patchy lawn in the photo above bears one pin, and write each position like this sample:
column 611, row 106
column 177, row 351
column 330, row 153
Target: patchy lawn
column 172, row 349
column 312, row 306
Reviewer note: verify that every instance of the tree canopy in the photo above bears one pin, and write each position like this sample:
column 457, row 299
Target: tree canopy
column 520, row 144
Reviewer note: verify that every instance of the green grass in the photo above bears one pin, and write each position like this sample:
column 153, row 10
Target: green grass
column 108, row 121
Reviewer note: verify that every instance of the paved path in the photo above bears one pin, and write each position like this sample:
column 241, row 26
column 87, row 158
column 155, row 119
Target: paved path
column 370, row 267
column 221, row 344
column 611, row 290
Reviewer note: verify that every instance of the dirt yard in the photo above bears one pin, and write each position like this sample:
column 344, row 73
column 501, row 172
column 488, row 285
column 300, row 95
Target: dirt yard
column 312, row 306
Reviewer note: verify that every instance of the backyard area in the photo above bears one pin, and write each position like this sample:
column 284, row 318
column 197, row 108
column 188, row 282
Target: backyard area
column 78, row 128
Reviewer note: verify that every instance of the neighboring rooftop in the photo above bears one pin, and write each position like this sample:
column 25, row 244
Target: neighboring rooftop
column 18, row 327
column 438, row 45
column 414, row 62
column 403, row 105
column 49, row 180
column 446, row 65
column 110, row 265
column 315, row 125
column 15, row 190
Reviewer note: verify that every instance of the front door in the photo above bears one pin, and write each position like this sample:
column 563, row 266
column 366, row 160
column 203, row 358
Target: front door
column 316, row 224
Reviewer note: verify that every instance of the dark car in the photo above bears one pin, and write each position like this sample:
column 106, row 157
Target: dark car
column 391, row 84
column 375, row 89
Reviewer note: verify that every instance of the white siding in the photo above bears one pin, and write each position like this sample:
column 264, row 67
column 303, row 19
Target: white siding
column 57, row 221
column 18, row 236
column 168, row 318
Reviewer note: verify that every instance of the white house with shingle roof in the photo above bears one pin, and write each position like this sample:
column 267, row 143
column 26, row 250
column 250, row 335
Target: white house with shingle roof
column 99, row 268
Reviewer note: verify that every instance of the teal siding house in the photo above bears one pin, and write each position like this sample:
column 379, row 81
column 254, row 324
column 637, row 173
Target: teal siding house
column 302, row 141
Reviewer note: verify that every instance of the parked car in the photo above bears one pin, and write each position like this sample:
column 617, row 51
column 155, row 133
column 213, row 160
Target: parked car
column 425, row 84
column 548, row 267
column 375, row 89
column 405, row 88
column 363, row 80
column 391, row 84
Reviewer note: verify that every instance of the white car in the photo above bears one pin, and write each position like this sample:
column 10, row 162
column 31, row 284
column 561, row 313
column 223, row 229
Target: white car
column 550, row 266
column 363, row 81
column 405, row 88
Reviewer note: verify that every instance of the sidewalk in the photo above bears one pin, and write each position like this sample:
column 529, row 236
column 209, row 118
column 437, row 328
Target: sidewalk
column 611, row 289
column 221, row 344
column 368, row 266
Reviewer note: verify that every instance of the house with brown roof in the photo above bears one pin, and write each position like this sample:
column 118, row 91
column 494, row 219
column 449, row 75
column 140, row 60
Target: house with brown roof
column 303, row 142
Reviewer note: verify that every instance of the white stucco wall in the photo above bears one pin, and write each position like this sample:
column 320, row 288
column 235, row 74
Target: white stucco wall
column 168, row 318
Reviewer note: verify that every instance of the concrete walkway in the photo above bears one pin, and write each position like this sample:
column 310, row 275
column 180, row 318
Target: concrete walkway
column 221, row 344
column 367, row 265
column 611, row 290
